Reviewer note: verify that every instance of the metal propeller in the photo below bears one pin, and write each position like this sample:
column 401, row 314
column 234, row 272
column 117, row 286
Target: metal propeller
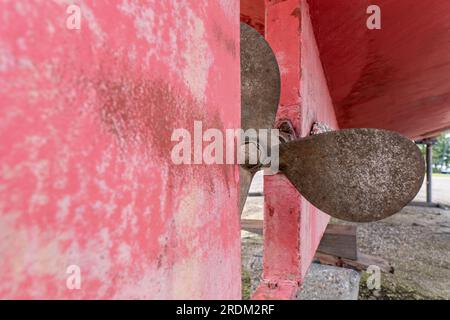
column 260, row 91
column 358, row 175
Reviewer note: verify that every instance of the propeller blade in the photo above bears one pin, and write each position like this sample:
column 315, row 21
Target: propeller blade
column 260, row 81
column 245, row 180
column 260, row 92
column 358, row 175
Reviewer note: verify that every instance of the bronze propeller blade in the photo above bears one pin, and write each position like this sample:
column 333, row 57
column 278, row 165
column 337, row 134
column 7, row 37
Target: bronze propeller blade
column 245, row 180
column 260, row 81
column 358, row 175
column 260, row 90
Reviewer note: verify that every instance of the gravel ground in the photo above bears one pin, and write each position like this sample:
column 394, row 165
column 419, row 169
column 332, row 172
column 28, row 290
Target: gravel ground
column 415, row 241
column 329, row 283
column 252, row 254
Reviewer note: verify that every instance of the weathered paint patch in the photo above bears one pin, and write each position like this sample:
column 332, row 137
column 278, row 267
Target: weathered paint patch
column 85, row 170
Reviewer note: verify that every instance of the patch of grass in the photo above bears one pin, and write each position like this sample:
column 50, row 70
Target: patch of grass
column 246, row 284
column 391, row 289
column 441, row 175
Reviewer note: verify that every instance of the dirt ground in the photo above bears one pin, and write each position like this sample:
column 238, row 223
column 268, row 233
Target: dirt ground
column 416, row 242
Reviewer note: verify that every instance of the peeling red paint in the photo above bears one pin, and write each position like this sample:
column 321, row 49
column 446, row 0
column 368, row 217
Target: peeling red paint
column 86, row 176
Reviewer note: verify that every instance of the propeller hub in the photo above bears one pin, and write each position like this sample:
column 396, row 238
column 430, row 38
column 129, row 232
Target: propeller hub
column 253, row 155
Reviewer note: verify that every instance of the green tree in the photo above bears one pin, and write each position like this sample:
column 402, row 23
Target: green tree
column 441, row 150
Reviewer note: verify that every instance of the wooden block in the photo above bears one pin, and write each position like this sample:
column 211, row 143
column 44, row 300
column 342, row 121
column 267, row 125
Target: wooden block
column 255, row 226
column 339, row 241
column 363, row 262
